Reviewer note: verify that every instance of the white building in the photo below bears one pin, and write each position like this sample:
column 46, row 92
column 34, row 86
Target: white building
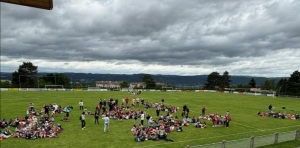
column 108, row 84
column 137, row 84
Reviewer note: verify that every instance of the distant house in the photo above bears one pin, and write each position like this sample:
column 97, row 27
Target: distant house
column 137, row 84
column 9, row 81
column 159, row 83
column 108, row 84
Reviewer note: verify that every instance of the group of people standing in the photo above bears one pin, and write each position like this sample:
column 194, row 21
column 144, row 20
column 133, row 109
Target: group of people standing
column 112, row 103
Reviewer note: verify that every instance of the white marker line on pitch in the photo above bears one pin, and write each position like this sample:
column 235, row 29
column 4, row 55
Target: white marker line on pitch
column 246, row 126
column 281, row 127
column 214, row 137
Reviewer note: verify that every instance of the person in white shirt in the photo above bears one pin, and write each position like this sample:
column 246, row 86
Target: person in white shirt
column 123, row 101
column 82, row 119
column 80, row 105
column 106, row 123
column 142, row 118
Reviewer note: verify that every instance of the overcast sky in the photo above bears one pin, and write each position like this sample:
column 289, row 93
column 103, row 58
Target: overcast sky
column 177, row 37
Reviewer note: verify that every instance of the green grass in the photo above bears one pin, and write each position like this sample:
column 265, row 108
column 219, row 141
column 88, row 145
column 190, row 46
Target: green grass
column 243, row 109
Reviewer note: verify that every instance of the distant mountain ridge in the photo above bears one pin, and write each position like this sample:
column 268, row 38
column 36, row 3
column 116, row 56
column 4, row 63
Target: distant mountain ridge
column 167, row 79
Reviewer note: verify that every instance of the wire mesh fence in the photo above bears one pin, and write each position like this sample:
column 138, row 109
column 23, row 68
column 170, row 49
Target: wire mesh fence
column 240, row 143
column 264, row 140
column 255, row 141
column 286, row 136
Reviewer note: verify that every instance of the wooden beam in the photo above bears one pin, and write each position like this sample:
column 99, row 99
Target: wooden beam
column 42, row 4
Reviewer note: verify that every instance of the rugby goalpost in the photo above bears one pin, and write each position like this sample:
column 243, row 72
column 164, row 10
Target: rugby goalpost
column 54, row 87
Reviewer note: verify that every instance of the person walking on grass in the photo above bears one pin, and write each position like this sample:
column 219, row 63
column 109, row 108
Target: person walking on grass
column 80, row 105
column 106, row 123
column 82, row 119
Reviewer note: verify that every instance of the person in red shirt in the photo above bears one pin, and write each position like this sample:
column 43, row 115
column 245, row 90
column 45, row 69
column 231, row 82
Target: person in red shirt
column 120, row 115
column 126, row 100
column 98, row 107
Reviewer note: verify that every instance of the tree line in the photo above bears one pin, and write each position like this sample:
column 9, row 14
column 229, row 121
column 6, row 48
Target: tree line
column 27, row 77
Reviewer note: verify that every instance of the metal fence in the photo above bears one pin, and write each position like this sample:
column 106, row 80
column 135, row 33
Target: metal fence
column 255, row 141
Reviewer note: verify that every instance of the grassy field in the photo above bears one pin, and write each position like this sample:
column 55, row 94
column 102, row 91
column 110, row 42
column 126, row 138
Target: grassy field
column 243, row 109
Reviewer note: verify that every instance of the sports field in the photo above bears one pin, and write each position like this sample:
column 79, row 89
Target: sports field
column 243, row 109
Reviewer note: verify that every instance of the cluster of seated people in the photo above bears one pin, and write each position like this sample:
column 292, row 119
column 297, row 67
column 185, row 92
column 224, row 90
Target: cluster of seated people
column 123, row 112
column 152, row 133
column 217, row 120
column 279, row 115
column 31, row 128
column 170, row 108
column 159, row 128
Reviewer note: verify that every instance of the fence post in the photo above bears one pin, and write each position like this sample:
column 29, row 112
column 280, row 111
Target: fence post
column 223, row 143
column 252, row 142
column 297, row 135
column 276, row 138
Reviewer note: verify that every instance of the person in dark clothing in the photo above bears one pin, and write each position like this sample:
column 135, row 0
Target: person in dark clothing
column 46, row 109
column 147, row 120
column 184, row 107
column 187, row 110
column 227, row 119
column 116, row 101
column 101, row 103
column 104, row 103
column 142, row 100
column 203, row 110
column 270, row 107
column 96, row 115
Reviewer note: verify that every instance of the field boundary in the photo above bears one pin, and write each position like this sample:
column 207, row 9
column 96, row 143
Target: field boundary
column 214, row 137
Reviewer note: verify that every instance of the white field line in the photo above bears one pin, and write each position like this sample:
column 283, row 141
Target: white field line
column 214, row 137
column 246, row 126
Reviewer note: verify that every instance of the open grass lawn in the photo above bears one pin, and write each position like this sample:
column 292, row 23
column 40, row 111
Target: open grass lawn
column 243, row 109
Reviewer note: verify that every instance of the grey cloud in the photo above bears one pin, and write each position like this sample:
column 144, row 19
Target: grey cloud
column 152, row 32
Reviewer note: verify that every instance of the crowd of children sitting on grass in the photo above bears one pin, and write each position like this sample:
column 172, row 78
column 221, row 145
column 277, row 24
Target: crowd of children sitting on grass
column 36, row 124
column 279, row 115
column 154, row 128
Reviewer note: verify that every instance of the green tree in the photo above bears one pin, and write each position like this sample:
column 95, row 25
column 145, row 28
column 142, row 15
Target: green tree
column 5, row 84
column 56, row 79
column 213, row 80
column 225, row 80
column 252, row 83
column 124, row 84
column 25, row 76
column 294, row 83
column 150, row 83
column 282, row 86
column 268, row 84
